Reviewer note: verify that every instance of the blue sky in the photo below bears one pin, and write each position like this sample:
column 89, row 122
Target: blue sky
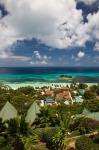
column 49, row 33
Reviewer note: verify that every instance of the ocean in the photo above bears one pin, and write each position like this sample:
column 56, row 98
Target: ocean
column 18, row 76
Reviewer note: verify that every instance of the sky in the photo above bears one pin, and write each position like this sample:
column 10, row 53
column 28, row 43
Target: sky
column 49, row 33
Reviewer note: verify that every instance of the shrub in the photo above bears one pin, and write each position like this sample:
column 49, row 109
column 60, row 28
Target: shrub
column 85, row 143
column 84, row 125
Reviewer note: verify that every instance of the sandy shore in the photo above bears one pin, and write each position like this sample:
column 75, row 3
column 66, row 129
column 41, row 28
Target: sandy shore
column 41, row 84
column 37, row 84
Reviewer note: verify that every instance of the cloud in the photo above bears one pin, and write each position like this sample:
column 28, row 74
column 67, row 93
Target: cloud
column 0, row 14
column 40, row 19
column 96, row 48
column 49, row 21
column 9, row 55
column 96, row 59
column 38, row 63
column 37, row 55
column 88, row 2
column 81, row 54
column 38, row 59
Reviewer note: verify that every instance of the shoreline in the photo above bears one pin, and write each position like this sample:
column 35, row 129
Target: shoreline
column 41, row 84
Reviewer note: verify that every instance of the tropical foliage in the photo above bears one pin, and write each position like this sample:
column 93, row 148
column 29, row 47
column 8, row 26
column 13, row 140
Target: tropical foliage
column 53, row 126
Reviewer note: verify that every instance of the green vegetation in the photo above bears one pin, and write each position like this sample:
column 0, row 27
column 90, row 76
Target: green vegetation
column 92, row 105
column 82, row 86
column 89, row 95
column 85, row 143
column 54, row 126
column 65, row 76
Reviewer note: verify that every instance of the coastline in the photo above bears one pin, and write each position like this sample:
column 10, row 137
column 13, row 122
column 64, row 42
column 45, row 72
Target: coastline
column 41, row 84
column 49, row 77
column 37, row 84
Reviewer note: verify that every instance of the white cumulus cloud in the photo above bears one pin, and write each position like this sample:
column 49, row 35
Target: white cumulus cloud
column 40, row 19
column 96, row 48
column 44, row 20
column 38, row 59
column 81, row 54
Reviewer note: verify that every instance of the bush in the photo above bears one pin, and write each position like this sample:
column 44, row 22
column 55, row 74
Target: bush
column 54, row 138
column 89, row 95
column 85, row 143
column 84, row 125
column 47, row 134
column 82, row 86
column 87, row 125
column 92, row 105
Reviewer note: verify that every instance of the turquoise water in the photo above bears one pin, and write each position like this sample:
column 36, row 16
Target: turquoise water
column 48, row 74
column 44, row 76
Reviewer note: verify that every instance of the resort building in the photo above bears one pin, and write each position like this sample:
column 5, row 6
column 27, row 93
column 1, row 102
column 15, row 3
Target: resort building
column 42, row 103
column 49, row 101
column 92, row 115
column 78, row 99
column 8, row 112
column 64, row 96
column 32, row 113
column 81, row 91
column 49, row 92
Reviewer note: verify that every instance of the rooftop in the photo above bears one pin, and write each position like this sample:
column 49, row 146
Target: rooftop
column 49, row 100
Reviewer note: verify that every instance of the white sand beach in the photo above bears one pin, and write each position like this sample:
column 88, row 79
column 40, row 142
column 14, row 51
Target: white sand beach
column 41, row 84
column 37, row 84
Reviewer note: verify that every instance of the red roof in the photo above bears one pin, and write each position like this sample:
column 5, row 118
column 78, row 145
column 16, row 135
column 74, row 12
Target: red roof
column 64, row 95
column 49, row 92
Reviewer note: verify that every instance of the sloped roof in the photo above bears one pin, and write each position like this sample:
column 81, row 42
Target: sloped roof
column 85, row 111
column 32, row 113
column 50, row 100
column 92, row 115
column 78, row 99
column 81, row 91
column 8, row 112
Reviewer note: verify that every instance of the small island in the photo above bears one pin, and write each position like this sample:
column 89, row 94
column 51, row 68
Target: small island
column 65, row 77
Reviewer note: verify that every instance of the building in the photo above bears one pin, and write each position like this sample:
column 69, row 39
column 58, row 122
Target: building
column 8, row 112
column 49, row 92
column 81, row 91
column 87, row 114
column 78, row 99
column 49, row 101
column 64, row 96
column 32, row 113
column 42, row 103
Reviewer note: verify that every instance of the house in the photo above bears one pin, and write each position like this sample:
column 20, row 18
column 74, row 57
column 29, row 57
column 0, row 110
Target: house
column 67, row 102
column 49, row 92
column 8, row 112
column 32, row 113
column 78, row 99
column 64, row 96
column 92, row 115
column 81, row 91
column 42, row 103
column 49, row 101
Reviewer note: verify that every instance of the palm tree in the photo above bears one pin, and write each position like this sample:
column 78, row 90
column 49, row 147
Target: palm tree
column 19, row 136
column 60, row 138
